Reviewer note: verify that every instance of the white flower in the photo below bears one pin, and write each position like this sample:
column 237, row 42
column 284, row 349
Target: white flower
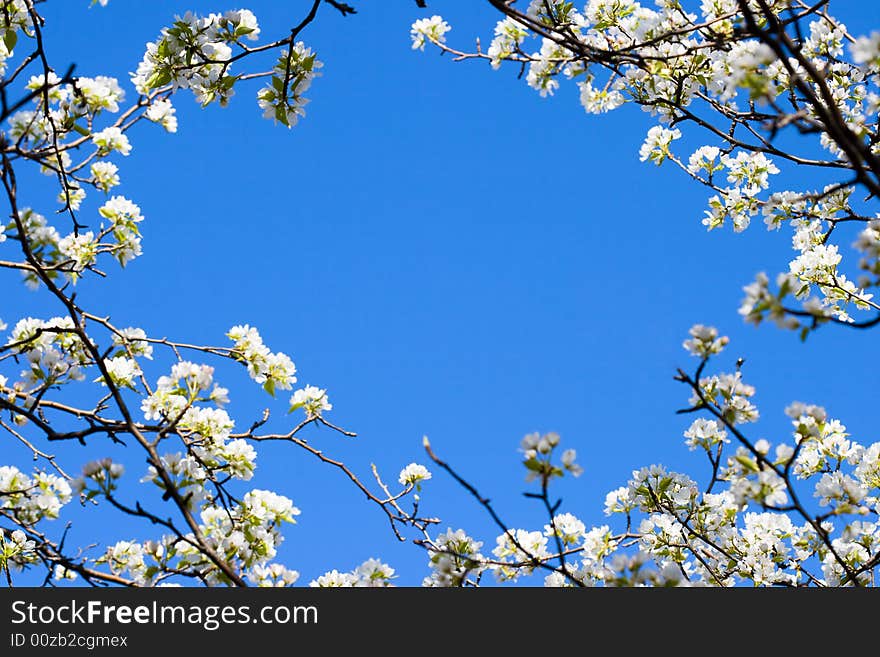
column 111, row 139
column 121, row 212
column 311, row 399
column 428, row 29
column 733, row 204
column 73, row 197
column 127, row 557
column 530, row 441
column 244, row 23
column 33, row 498
column 194, row 53
column 456, row 556
column 219, row 396
column 866, row 50
column 704, row 341
column 508, row 36
column 135, row 339
column 620, row 500
column 240, row 457
column 568, row 527
column 598, row 100
column 273, row 575
column 82, row 249
column 373, row 573
column 100, row 93
column 749, row 171
column 122, row 371
column 283, row 99
column 105, row 175
column 731, row 394
column 334, row 579
column 568, row 457
column 17, row 546
column 413, row 474
column 705, row 433
column 544, row 66
column 62, row 573
column 268, row 506
column 597, row 544
column 271, row 370
column 52, row 81
column 190, row 376
column 163, row 113
column 656, row 146
column 839, row 488
column 515, row 546
column 704, row 159
column 213, row 424
column 868, row 469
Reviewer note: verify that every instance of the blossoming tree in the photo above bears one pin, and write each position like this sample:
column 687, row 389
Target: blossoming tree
column 739, row 73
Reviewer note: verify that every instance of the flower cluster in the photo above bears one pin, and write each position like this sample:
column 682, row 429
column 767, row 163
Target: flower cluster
column 52, row 349
column 99, row 478
column 454, row 557
column 271, row 370
column 729, row 395
column 312, row 400
column 538, row 451
column 32, row 498
column 16, row 19
column 704, row 341
column 195, row 53
column 686, row 65
column 432, row 29
column 16, row 550
column 371, row 573
column 742, row 529
column 509, row 35
column 667, row 58
column 272, row 575
column 282, row 100
column 248, row 534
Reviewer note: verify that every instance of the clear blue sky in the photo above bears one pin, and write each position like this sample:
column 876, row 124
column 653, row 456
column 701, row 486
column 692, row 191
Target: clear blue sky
column 450, row 255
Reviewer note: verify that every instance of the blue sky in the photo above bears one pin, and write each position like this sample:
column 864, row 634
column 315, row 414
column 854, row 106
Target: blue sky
column 446, row 252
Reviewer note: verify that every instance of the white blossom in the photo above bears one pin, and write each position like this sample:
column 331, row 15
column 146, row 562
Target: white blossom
column 163, row 113
column 312, row 400
column 111, row 139
column 431, row 29
column 414, row 474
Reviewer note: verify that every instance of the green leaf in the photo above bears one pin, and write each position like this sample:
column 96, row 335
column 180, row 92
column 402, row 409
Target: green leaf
column 747, row 463
column 533, row 464
column 158, row 79
column 10, row 39
column 269, row 387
